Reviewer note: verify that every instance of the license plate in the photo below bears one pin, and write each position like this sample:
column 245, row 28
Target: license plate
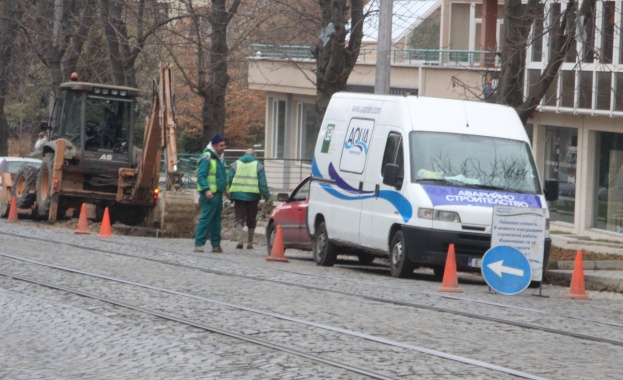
column 474, row 263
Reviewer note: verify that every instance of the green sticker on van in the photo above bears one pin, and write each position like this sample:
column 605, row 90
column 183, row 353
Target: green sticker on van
column 327, row 138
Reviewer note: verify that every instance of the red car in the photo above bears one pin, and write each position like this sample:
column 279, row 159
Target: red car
column 291, row 215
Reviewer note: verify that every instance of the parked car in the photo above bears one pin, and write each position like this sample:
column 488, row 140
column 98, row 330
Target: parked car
column 18, row 177
column 291, row 215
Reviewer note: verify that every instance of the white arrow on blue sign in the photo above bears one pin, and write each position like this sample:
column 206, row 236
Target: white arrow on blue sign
column 506, row 270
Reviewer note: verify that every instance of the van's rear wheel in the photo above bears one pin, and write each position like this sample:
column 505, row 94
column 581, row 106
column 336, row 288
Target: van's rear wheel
column 399, row 264
column 325, row 252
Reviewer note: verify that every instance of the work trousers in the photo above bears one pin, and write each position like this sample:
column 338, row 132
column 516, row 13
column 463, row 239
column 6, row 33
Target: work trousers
column 245, row 211
column 209, row 225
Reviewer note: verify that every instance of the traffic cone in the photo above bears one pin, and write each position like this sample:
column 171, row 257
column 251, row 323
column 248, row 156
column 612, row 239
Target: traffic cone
column 576, row 290
column 105, row 229
column 13, row 212
column 277, row 252
column 450, row 282
column 83, row 225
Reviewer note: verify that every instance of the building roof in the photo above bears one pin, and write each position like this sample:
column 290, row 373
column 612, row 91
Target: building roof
column 407, row 14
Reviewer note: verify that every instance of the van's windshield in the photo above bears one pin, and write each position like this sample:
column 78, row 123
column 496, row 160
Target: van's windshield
column 482, row 162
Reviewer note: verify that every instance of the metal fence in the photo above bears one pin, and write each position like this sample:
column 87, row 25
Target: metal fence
column 282, row 175
column 425, row 57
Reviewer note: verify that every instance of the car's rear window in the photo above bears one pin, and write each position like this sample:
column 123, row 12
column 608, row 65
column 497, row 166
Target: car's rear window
column 14, row 166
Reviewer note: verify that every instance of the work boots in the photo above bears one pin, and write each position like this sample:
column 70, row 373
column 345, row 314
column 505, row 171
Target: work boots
column 250, row 235
column 239, row 236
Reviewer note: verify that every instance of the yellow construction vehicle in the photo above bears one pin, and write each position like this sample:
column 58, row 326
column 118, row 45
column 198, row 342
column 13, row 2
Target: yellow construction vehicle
column 91, row 158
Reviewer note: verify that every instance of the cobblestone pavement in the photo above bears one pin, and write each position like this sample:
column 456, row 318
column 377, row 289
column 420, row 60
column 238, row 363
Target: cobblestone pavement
column 56, row 335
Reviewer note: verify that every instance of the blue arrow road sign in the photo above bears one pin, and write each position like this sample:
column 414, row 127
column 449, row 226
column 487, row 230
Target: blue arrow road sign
column 506, row 270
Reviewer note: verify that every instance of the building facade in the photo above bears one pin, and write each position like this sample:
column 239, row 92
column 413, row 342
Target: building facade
column 577, row 131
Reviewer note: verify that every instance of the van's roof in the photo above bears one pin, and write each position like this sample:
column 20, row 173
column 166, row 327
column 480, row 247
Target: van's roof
column 441, row 115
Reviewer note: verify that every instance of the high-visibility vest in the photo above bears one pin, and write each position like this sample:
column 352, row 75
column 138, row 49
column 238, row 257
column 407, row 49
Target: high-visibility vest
column 245, row 179
column 211, row 172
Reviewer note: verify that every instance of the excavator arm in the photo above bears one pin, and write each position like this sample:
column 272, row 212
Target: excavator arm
column 160, row 131
column 173, row 208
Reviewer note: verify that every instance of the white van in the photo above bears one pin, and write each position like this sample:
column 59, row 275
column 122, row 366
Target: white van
column 406, row 176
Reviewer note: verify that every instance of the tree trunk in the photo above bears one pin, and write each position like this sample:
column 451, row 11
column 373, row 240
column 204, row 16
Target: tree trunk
column 213, row 108
column 12, row 13
column 518, row 21
column 334, row 59
column 111, row 15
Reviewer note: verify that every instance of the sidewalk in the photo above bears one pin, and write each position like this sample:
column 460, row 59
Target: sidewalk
column 598, row 275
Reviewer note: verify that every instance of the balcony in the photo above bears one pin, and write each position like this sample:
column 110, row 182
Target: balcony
column 413, row 57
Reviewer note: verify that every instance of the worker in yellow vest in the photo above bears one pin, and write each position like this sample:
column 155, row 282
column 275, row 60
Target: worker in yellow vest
column 247, row 185
column 211, row 184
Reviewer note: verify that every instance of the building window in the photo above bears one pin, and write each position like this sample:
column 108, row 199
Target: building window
column 618, row 93
column 620, row 31
column 308, row 130
column 537, row 36
column 279, row 128
column 607, row 31
column 561, row 148
column 608, row 190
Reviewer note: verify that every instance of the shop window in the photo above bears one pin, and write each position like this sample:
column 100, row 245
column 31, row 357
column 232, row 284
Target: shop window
column 561, row 150
column 608, row 186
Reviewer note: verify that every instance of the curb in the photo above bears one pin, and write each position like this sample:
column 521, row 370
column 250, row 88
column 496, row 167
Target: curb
column 591, row 281
column 589, row 265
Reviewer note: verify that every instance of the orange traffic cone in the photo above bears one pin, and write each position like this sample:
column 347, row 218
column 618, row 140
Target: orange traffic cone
column 277, row 252
column 13, row 212
column 450, row 282
column 576, row 290
column 105, row 229
column 83, row 225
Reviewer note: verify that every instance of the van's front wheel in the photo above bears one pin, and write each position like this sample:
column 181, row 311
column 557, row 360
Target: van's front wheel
column 325, row 253
column 399, row 264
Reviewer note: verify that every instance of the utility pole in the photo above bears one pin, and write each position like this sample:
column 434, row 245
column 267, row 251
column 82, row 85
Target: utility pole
column 383, row 47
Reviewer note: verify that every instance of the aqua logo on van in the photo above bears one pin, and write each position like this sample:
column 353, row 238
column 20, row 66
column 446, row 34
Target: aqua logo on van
column 358, row 138
column 442, row 196
column 400, row 203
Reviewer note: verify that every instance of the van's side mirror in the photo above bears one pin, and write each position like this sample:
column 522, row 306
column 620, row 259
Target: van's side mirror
column 43, row 126
column 391, row 175
column 551, row 189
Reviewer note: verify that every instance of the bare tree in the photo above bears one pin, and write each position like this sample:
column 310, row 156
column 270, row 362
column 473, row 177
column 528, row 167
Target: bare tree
column 335, row 56
column 127, row 27
column 60, row 27
column 11, row 14
column 518, row 22
column 204, row 33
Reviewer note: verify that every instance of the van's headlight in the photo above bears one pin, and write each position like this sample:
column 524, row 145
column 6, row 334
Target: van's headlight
column 441, row 215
